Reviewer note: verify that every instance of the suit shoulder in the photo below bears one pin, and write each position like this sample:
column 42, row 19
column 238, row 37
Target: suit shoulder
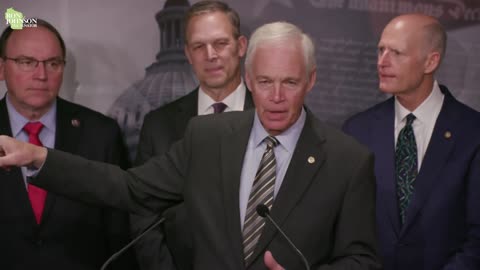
column 87, row 114
column 335, row 140
column 223, row 118
column 371, row 111
column 360, row 122
column 342, row 142
column 222, row 122
column 467, row 112
column 187, row 101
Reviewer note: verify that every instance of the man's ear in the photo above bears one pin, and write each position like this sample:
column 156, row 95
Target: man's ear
column 432, row 62
column 242, row 46
column 312, row 79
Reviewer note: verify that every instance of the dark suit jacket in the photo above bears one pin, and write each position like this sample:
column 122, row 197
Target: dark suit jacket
column 161, row 128
column 326, row 206
column 71, row 235
column 442, row 228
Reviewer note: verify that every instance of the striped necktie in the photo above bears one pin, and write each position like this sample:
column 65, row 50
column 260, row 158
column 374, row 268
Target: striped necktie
column 261, row 193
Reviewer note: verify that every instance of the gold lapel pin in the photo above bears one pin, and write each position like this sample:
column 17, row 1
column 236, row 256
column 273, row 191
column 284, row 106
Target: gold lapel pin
column 75, row 122
column 311, row 160
column 447, row 135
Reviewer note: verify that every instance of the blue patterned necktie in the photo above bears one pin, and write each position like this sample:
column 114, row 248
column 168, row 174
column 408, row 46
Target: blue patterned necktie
column 406, row 167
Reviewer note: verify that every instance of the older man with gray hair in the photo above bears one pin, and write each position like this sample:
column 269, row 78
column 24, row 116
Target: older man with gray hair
column 317, row 183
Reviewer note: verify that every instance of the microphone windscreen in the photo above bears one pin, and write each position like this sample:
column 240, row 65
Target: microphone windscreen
column 262, row 210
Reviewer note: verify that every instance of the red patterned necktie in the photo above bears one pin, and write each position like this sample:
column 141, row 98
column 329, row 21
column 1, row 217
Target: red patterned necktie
column 35, row 194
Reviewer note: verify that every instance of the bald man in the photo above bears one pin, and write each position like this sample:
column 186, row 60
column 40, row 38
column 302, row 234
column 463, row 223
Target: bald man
column 427, row 154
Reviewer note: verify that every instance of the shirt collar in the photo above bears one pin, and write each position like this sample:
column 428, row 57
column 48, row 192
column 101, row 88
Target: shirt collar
column 18, row 121
column 288, row 139
column 234, row 101
column 423, row 113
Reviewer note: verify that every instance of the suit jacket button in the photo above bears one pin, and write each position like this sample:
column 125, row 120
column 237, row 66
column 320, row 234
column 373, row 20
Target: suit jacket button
column 39, row 242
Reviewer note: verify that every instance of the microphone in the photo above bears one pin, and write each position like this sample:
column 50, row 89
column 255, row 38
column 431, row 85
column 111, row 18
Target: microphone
column 263, row 211
column 121, row 251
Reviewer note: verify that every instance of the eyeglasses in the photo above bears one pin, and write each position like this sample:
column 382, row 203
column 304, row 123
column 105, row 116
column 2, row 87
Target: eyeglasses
column 29, row 64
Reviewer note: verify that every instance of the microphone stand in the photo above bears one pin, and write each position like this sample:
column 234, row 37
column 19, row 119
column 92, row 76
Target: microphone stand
column 263, row 211
column 121, row 251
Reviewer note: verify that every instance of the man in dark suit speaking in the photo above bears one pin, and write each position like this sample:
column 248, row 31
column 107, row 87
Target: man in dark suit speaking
column 318, row 183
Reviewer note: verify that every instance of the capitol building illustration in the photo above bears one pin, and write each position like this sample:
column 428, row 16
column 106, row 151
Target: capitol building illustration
column 167, row 79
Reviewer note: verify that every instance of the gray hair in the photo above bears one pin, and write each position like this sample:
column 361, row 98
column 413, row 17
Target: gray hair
column 281, row 31
column 436, row 38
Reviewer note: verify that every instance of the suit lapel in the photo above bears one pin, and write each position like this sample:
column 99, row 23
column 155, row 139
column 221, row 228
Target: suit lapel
column 186, row 111
column 66, row 139
column 436, row 156
column 233, row 147
column 5, row 128
column 299, row 175
column 14, row 176
column 383, row 130
column 248, row 100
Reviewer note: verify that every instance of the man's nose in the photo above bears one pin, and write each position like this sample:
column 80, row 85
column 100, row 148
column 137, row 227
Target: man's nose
column 211, row 52
column 383, row 59
column 277, row 93
column 40, row 71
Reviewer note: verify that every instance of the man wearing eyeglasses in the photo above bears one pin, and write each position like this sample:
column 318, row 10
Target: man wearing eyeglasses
column 39, row 229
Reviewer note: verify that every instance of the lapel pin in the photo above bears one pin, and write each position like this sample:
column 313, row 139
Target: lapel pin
column 311, row 160
column 447, row 135
column 75, row 122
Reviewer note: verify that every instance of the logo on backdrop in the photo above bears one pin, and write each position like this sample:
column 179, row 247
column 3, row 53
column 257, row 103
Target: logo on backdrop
column 17, row 20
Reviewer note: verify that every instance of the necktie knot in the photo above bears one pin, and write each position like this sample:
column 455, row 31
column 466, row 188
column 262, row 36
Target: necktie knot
column 410, row 119
column 33, row 128
column 219, row 107
column 271, row 141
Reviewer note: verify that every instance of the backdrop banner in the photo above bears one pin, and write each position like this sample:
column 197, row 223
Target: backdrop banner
column 126, row 58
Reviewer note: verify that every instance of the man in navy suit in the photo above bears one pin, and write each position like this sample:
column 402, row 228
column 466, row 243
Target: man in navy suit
column 427, row 154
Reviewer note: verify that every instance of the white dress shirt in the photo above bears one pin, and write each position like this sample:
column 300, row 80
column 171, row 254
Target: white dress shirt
column 235, row 101
column 426, row 116
column 46, row 136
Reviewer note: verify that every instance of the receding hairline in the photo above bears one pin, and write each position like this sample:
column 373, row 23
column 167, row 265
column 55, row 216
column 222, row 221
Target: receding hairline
column 203, row 8
column 7, row 33
column 433, row 34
